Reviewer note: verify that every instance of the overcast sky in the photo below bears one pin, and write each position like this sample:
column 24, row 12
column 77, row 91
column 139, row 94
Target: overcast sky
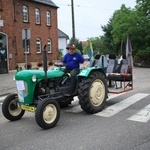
column 89, row 16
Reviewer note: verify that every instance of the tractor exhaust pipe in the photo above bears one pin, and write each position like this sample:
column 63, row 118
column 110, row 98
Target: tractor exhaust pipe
column 45, row 61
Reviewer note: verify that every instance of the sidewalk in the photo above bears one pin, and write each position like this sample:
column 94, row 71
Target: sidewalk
column 7, row 84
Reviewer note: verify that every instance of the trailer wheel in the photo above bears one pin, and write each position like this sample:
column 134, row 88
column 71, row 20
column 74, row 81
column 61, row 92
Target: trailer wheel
column 11, row 108
column 93, row 92
column 47, row 113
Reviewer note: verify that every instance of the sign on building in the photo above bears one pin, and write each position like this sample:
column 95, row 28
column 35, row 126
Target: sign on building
column 26, row 34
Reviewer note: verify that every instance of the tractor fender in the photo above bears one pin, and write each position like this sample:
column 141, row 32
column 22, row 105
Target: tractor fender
column 86, row 71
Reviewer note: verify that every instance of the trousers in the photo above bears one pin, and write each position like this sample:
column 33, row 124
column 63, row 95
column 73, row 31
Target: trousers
column 73, row 73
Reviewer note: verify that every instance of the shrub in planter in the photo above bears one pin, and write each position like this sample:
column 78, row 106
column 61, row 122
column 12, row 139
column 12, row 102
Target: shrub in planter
column 18, row 68
column 50, row 63
column 40, row 64
column 28, row 66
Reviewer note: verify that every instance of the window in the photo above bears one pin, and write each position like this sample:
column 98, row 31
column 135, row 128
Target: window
column 25, row 14
column 37, row 16
column 49, row 46
column 38, row 45
column 48, row 18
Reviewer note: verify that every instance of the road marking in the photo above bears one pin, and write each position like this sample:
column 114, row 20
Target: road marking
column 116, row 108
column 78, row 109
column 141, row 116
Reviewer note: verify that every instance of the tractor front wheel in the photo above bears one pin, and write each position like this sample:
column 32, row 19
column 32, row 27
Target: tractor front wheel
column 93, row 92
column 47, row 113
column 11, row 108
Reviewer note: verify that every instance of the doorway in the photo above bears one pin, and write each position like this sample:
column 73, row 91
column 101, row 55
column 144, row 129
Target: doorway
column 3, row 54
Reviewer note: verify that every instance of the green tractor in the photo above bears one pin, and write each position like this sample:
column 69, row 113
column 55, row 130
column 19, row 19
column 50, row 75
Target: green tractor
column 43, row 92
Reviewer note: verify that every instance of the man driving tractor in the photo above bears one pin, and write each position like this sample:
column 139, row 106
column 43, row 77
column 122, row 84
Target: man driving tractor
column 72, row 61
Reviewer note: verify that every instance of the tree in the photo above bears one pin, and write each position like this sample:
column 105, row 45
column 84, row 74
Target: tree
column 124, row 22
column 108, row 43
column 136, row 23
column 97, row 45
column 143, row 45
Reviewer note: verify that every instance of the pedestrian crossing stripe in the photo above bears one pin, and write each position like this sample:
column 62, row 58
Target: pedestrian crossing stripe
column 78, row 109
column 116, row 108
column 141, row 116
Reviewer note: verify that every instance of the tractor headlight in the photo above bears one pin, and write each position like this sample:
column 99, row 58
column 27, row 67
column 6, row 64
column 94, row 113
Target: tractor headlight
column 34, row 78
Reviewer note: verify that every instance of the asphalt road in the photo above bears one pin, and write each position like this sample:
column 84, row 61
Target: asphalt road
column 123, row 125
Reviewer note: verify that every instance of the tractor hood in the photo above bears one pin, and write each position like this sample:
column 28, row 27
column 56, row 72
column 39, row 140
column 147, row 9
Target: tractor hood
column 40, row 74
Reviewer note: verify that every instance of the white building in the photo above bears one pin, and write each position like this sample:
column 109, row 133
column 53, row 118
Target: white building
column 62, row 41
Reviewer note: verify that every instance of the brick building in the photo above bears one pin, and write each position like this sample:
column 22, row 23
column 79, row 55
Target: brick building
column 25, row 27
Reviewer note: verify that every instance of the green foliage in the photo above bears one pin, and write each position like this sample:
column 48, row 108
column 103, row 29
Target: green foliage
column 143, row 45
column 60, row 54
column 97, row 45
column 108, row 43
column 136, row 23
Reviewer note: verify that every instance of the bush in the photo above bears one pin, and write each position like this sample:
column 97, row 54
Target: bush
column 50, row 63
column 40, row 64
column 29, row 66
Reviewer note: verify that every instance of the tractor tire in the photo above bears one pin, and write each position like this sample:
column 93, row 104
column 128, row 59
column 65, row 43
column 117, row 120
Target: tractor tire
column 93, row 92
column 47, row 113
column 11, row 108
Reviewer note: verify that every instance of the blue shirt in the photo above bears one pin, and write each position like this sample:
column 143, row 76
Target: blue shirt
column 73, row 61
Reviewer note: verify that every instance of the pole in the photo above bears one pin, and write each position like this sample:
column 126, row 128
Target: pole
column 73, row 21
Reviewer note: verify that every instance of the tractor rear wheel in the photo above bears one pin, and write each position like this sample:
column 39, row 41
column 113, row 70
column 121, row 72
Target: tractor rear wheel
column 93, row 92
column 11, row 108
column 47, row 113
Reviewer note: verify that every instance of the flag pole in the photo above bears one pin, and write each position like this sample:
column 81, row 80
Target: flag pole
column 91, row 54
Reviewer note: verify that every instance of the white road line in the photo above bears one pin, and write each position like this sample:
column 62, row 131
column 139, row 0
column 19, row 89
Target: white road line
column 141, row 116
column 114, row 109
column 78, row 109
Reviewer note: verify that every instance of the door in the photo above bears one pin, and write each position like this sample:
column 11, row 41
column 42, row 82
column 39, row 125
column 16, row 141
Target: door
column 3, row 55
